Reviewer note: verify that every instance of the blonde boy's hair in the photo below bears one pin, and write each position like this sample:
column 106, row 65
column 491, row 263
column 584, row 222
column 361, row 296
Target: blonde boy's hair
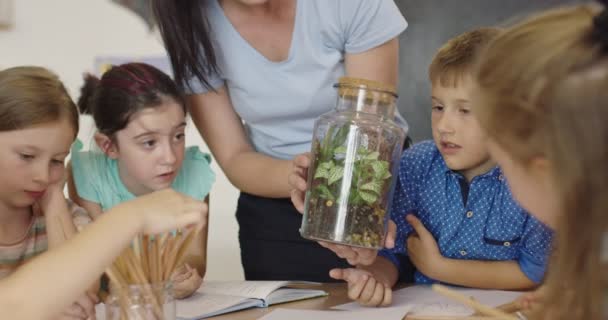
column 456, row 58
column 542, row 90
column 33, row 95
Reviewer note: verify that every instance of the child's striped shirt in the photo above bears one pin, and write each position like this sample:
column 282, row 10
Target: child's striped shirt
column 34, row 241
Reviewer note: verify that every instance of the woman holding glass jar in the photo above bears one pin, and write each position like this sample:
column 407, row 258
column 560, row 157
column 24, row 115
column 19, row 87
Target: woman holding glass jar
column 258, row 74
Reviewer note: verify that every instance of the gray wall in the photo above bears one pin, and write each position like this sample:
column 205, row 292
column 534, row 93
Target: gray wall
column 431, row 23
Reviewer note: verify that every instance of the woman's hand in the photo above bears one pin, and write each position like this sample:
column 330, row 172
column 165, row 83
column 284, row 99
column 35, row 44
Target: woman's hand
column 297, row 180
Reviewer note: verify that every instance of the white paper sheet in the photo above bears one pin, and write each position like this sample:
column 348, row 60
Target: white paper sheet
column 391, row 313
column 422, row 300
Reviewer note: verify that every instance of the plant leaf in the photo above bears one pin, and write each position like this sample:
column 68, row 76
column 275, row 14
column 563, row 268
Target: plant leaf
column 341, row 135
column 372, row 156
column 354, row 199
column 387, row 175
column 380, row 168
column 335, row 174
column 340, row 150
column 326, row 144
column 324, row 192
column 327, row 165
column 321, row 173
column 374, row 186
column 323, row 170
column 368, row 197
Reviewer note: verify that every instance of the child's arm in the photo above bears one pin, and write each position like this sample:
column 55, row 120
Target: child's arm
column 425, row 255
column 370, row 285
column 59, row 220
column 189, row 276
column 94, row 209
column 32, row 291
column 196, row 254
column 502, row 275
column 383, row 270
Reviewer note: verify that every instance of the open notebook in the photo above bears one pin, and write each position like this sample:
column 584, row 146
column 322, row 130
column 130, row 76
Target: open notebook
column 214, row 298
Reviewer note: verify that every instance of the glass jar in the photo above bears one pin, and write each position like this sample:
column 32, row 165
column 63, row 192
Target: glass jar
column 141, row 302
column 355, row 156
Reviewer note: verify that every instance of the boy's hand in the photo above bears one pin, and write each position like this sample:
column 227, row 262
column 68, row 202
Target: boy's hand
column 186, row 281
column 364, row 288
column 423, row 250
column 360, row 256
column 166, row 210
column 297, row 180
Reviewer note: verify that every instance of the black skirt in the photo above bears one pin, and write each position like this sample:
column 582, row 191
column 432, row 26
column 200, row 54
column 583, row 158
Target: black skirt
column 271, row 245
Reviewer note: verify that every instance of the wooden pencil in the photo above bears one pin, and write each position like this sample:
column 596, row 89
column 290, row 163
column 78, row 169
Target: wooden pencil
column 183, row 248
column 510, row 307
column 147, row 263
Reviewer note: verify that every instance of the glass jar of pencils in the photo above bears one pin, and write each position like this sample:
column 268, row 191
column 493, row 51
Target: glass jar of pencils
column 355, row 155
column 141, row 302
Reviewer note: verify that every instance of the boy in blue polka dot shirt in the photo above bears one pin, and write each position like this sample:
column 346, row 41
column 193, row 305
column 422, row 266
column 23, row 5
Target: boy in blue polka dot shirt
column 456, row 218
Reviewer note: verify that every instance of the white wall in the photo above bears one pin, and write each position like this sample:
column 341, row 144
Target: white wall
column 65, row 36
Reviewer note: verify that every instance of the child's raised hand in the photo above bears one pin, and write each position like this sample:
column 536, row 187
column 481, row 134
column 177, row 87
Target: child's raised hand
column 423, row 250
column 297, row 179
column 364, row 288
column 186, row 281
column 166, row 210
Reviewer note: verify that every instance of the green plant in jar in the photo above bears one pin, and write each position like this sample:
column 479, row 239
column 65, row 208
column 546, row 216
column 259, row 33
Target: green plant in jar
column 350, row 179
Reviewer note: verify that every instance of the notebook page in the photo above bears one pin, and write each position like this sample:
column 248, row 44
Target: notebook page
column 201, row 304
column 250, row 289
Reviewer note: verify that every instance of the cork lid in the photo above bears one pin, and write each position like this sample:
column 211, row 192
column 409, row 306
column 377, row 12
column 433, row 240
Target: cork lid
column 354, row 87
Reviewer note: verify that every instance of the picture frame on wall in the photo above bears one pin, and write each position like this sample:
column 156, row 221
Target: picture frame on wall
column 7, row 14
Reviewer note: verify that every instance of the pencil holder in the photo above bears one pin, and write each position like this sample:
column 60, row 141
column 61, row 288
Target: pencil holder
column 140, row 285
column 355, row 153
column 141, row 302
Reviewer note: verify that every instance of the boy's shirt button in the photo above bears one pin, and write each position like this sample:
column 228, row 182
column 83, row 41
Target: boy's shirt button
column 469, row 214
column 463, row 253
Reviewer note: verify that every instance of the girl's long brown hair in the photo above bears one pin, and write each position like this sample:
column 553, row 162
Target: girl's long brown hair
column 543, row 91
column 187, row 36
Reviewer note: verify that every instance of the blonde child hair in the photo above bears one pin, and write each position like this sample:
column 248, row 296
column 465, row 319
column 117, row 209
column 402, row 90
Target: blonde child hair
column 32, row 95
column 456, row 57
column 543, row 92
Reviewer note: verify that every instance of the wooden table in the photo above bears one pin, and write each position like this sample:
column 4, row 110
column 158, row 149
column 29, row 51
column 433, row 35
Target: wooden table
column 337, row 295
